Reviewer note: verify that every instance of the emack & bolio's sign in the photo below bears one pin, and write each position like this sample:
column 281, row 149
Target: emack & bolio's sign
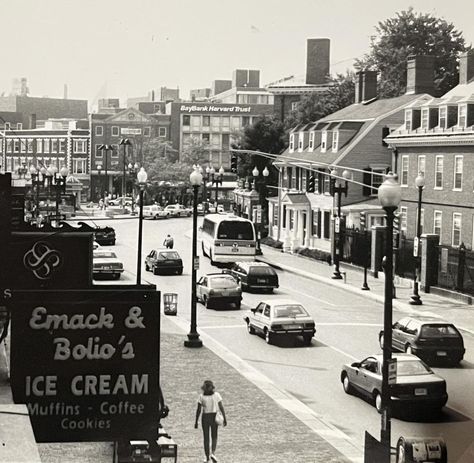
column 85, row 362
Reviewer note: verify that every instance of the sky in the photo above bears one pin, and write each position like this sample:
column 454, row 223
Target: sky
column 125, row 48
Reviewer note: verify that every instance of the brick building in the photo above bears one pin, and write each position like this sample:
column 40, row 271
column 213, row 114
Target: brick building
column 437, row 138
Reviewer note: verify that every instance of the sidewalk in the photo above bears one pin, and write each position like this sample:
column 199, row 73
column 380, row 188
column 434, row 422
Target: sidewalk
column 459, row 313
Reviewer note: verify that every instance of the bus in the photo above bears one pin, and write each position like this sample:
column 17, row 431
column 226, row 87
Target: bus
column 228, row 238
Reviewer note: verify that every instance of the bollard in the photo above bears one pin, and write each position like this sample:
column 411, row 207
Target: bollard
column 421, row 449
column 344, row 276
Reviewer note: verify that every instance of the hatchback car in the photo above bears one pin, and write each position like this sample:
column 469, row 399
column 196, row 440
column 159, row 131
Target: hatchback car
column 255, row 276
column 416, row 384
column 216, row 290
column 178, row 210
column 106, row 264
column 155, row 212
column 164, row 261
column 280, row 317
column 431, row 339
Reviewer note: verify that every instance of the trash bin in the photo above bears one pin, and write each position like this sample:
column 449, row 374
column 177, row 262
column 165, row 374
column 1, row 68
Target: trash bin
column 170, row 303
column 421, row 449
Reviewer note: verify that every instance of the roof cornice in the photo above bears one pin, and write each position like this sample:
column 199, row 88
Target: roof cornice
column 440, row 140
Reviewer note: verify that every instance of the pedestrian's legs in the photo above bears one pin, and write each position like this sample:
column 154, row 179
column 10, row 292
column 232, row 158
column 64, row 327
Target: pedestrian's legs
column 214, row 429
column 206, row 427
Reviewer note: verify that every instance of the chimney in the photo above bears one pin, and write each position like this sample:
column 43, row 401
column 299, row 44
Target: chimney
column 466, row 67
column 317, row 61
column 420, row 75
column 32, row 121
column 65, row 91
column 365, row 86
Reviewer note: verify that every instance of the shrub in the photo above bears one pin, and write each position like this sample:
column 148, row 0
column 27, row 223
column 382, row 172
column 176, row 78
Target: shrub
column 269, row 241
column 317, row 254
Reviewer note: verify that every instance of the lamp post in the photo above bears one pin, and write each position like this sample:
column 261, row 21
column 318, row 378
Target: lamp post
column 415, row 298
column 216, row 179
column 132, row 170
column 58, row 184
column 339, row 187
column 106, row 149
column 193, row 336
column 141, row 178
column 99, row 170
column 124, row 142
column 389, row 195
column 261, row 191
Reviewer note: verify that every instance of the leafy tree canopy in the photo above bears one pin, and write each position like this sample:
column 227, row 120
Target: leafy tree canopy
column 411, row 33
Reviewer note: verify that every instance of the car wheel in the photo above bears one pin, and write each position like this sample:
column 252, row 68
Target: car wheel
column 346, row 384
column 155, row 271
column 147, row 267
column 205, row 301
column 378, row 401
column 408, row 349
column 268, row 337
column 179, row 272
column 237, row 306
column 203, row 250
column 401, row 454
column 307, row 339
column 250, row 328
column 117, row 276
column 213, row 262
column 381, row 341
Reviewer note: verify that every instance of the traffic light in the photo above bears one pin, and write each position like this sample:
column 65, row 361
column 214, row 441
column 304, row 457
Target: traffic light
column 310, row 188
column 233, row 163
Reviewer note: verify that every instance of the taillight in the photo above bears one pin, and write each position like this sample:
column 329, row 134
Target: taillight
column 309, row 325
column 277, row 327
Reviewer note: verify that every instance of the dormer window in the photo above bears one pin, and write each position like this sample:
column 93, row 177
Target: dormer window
column 425, row 118
column 408, row 114
column 292, row 142
column 311, row 141
column 324, row 139
column 335, row 139
column 462, row 116
column 300, row 141
column 442, row 120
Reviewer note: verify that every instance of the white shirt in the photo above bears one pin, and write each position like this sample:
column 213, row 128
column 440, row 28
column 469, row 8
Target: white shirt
column 209, row 403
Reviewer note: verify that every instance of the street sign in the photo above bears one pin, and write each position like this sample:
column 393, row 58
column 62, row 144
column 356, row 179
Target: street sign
column 416, row 243
column 196, row 263
column 392, row 371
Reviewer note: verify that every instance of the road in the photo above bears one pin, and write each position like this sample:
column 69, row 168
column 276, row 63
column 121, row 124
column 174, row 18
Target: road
column 347, row 330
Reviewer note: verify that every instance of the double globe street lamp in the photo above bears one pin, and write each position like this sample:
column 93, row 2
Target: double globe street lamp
column 142, row 177
column 216, row 179
column 415, row 298
column 389, row 194
column 261, row 189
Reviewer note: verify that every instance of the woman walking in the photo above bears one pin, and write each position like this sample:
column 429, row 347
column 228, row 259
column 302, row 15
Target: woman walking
column 210, row 403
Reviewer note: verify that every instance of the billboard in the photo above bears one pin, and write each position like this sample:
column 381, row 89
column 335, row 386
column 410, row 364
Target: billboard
column 86, row 362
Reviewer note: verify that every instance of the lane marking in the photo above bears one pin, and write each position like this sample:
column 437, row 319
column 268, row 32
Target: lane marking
column 346, row 324
column 337, row 350
column 213, row 327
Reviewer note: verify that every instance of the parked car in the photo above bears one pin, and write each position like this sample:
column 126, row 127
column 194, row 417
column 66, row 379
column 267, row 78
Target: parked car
column 217, row 290
column 178, row 210
column 416, row 384
column 155, row 212
column 200, row 209
column 280, row 317
column 255, row 275
column 429, row 338
column 164, row 261
column 95, row 245
column 105, row 263
column 212, row 209
column 127, row 201
column 104, row 235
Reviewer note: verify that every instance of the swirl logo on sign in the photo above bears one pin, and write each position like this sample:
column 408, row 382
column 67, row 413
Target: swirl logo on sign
column 42, row 260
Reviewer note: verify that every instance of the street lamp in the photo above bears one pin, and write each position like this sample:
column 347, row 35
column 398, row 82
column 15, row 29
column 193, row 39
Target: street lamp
column 262, row 193
column 58, row 184
column 141, row 178
column 415, row 298
column 124, row 142
column 193, row 336
column 132, row 170
column 99, row 170
column 339, row 187
column 389, row 195
column 106, row 148
column 37, row 181
column 216, row 179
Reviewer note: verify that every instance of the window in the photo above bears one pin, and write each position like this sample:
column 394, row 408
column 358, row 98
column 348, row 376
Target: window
column 457, row 220
column 439, row 172
column 62, row 145
column 300, row 141
column 22, row 145
column 458, row 166
column 421, row 164
column 215, row 140
column 146, row 131
column 462, row 111
column 115, row 131
column 9, row 166
column 225, row 123
column 46, row 146
column 294, row 105
column 39, row 146
column 311, row 141
column 443, row 110
column 324, row 138
column 7, row 126
column 206, row 138
column 292, row 219
column 404, row 171
column 16, row 146
column 186, row 120
column 294, row 177
column 98, row 152
column 19, row 126
column 225, row 141
column 437, row 222
column 403, row 219
column 9, row 146
column 196, row 122
column 408, row 118
column 215, row 122
column 79, row 166
column 80, row 146
column 99, row 130
column 30, row 145
column 275, row 215
column 206, row 121
column 162, row 131
column 335, row 139
column 292, row 142
column 245, row 121
column 425, row 113
column 377, row 177
column 54, row 145
column 115, row 151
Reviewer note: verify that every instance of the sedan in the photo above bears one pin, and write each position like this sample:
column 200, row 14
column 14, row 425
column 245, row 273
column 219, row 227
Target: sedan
column 106, row 264
column 164, row 261
column 431, row 339
column 280, row 318
column 255, row 276
column 178, row 210
column 155, row 212
column 217, row 290
column 416, row 384
column 121, row 201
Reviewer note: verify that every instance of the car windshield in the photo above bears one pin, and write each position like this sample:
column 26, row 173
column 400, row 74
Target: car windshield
column 222, row 282
column 412, row 367
column 105, row 254
column 261, row 271
column 438, row 331
column 293, row 310
column 166, row 255
column 234, row 230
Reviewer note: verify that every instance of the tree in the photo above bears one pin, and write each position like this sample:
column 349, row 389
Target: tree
column 410, row 33
column 195, row 152
column 313, row 107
